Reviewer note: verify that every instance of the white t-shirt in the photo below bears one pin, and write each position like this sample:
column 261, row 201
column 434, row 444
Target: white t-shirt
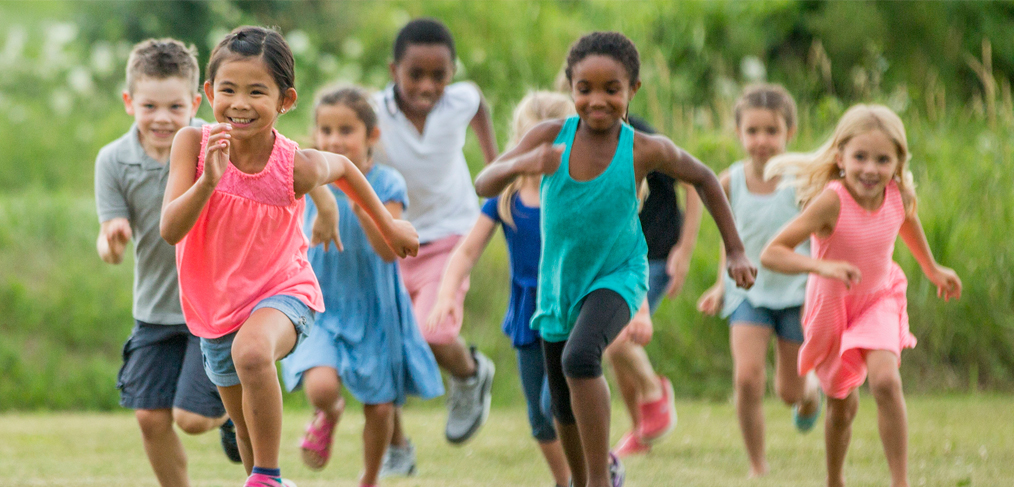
column 442, row 200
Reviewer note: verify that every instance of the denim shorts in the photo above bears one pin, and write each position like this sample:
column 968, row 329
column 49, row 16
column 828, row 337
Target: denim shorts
column 658, row 280
column 786, row 322
column 218, row 351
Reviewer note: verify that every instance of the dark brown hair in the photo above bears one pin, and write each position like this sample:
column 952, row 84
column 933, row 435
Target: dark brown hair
column 250, row 41
column 770, row 97
column 353, row 97
column 161, row 59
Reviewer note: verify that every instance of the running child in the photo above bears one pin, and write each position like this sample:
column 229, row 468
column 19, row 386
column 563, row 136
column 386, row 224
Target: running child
column 593, row 270
column 765, row 123
column 517, row 210
column 858, row 196
column 234, row 205
column 423, row 122
column 367, row 339
column 161, row 378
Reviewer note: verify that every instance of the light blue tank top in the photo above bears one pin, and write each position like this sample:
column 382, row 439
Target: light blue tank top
column 591, row 238
column 759, row 217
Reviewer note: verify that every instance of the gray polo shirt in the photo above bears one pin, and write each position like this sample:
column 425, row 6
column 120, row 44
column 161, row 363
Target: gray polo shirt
column 130, row 184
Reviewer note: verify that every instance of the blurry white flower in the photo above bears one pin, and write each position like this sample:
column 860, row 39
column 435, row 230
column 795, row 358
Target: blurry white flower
column 352, row 48
column 399, row 18
column 327, row 64
column 102, row 59
column 61, row 101
column 298, row 41
column 80, row 80
column 17, row 36
column 899, row 99
column 753, row 69
column 61, row 33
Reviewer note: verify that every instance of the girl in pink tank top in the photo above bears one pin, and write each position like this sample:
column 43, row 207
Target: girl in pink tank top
column 859, row 197
column 233, row 207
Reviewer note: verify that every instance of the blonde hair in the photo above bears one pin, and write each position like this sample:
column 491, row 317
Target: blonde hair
column 535, row 107
column 811, row 172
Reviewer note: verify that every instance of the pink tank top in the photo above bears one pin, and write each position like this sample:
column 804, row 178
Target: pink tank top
column 247, row 245
column 863, row 237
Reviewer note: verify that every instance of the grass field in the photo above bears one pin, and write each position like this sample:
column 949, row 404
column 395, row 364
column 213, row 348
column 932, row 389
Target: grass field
column 954, row 441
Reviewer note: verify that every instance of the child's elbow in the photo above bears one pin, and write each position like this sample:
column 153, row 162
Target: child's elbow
column 167, row 233
column 768, row 257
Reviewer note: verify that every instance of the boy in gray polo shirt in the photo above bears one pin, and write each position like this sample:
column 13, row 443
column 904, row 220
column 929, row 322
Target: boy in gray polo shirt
column 162, row 377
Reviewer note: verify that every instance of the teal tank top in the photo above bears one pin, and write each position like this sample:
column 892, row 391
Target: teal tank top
column 591, row 238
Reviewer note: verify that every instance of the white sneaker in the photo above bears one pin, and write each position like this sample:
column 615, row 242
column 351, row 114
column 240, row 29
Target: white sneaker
column 469, row 400
column 398, row 460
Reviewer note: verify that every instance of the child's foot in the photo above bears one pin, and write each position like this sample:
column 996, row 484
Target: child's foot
column 616, row 471
column 316, row 444
column 658, row 418
column 630, row 445
column 261, row 480
column 227, row 434
column 398, row 460
column 805, row 417
column 469, row 400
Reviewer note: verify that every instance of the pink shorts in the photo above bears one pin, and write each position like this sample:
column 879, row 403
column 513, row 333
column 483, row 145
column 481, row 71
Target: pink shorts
column 422, row 275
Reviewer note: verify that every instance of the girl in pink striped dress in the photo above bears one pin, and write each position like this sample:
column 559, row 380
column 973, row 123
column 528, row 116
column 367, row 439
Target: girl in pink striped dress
column 858, row 196
column 233, row 207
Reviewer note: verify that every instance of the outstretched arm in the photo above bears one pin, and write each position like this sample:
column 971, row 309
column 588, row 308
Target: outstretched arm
column 458, row 267
column 373, row 233
column 710, row 302
column 315, row 168
column 666, row 157
column 678, row 262
column 819, row 217
column 532, row 155
column 482, row 125
column 945, row 279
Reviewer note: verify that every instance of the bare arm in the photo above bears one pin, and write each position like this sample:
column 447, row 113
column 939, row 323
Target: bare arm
column 482, row 125
column 185, row 198
column 946, row 280
column 819, row 217
column 373, row 233
column 532, row 155
column 113, row 238
column 458, row 267
column 678, row 262
column 664, row 156
column 315, row 168
column 325, row 225
column 710, row 302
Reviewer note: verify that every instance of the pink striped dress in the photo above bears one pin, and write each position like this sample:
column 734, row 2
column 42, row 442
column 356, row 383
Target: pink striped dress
column 247, row 245
column 840, row 325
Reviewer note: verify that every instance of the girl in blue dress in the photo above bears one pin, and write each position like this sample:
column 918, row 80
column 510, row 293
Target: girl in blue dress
column 367, row 338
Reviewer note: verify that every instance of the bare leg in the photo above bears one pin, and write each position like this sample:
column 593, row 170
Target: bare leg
column 589, row 399
column 837, row 434
column 892, row 420
column 322, row 386
column 455, row 358
column 635, row 377
column 397, row 433
column 570, row 440
column 194, row 424
column 232, row 398
column 749, row 355
column 553, row 452
column 265, row 337
column 163, row 447
column 376, row 431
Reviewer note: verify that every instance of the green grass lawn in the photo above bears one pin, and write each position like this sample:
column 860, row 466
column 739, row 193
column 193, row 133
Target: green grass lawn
column 954, row 441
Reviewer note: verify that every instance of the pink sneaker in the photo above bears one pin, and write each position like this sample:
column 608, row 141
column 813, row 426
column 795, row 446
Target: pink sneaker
column 261, row 480
column 658, row 418
column 630, row 445
column 316, row 444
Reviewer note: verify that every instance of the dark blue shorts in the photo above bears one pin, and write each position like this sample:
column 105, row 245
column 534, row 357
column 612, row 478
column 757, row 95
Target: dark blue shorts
column 786, row 323
column 658, row 280
column 162, row 370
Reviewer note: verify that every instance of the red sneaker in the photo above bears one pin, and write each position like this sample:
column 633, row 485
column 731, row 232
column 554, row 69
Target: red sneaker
column 658, row 418
column 630, row 445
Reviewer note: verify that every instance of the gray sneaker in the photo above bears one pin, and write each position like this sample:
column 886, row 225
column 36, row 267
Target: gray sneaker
column 398, row 460
column 468, row 402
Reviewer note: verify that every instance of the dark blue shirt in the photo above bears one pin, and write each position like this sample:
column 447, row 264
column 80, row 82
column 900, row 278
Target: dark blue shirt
column 523, row 243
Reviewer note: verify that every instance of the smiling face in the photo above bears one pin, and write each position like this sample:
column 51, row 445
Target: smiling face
column 763, row 133
column 870, row 161
column 600, row 86
column 340, row 130
column 245, row 95
column 421, row 76
column 160, row 108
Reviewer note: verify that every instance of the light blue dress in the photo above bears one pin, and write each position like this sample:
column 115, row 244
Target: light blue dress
column 368, row 332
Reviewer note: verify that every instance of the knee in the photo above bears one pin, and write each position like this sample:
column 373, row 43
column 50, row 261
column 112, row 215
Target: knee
column 841, row 412
column 885, row 385
column 750, row 380
column 192, row 423
column 788, row 392
column 154, row 422
column 379, row 411
column 582, row 362
column 252, row 357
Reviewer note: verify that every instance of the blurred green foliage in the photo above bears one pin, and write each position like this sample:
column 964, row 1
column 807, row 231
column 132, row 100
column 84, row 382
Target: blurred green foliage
column 944, row 66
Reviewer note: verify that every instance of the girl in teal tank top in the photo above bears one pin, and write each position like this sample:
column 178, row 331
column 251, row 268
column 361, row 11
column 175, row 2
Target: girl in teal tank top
column 609, row 251
column 593, row 268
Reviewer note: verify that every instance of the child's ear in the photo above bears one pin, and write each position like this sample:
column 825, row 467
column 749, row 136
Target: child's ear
column 374, row 136
column 209, row 92
column 392, row 67
column 128, row 103
column 195, row 105
column 634, row 87
column 288, row 99
column 789, row 134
